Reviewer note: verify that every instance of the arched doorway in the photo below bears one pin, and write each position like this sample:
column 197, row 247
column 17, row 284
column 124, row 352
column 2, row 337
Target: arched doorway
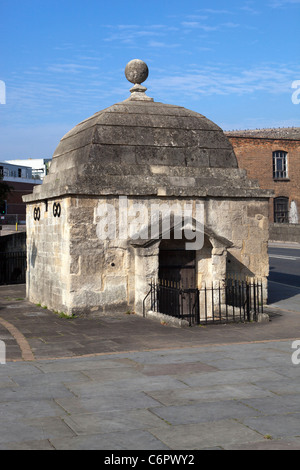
column 177, row 279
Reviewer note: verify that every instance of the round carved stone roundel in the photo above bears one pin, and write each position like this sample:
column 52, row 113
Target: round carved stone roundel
column 136, row 71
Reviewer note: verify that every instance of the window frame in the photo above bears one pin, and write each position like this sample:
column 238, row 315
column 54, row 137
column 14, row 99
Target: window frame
column 281, row 213
column 280, row 156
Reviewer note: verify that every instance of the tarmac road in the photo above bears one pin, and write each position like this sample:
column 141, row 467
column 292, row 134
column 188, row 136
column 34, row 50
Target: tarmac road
column 284, row 279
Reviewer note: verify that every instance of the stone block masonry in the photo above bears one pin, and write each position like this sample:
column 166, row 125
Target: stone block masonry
column 73, row 270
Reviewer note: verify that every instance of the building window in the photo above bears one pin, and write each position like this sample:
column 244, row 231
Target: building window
column 281, row 210
column 280, row 165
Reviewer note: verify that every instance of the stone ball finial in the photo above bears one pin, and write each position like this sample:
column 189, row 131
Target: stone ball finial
column 136, row 71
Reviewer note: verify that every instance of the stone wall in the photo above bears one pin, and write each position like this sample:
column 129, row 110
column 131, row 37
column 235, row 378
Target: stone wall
column 285, row 233
column 13, row 242
column 98, row 269
column 73, row 269
column 48, row 256
column 245, row 224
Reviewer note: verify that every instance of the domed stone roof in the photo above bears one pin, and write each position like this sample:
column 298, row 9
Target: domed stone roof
column 142, row 147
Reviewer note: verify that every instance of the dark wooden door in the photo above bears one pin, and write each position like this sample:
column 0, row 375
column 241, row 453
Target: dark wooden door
column 177, row 265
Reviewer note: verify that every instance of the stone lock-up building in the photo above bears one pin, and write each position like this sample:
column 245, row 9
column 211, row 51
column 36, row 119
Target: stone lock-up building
column 107, row 218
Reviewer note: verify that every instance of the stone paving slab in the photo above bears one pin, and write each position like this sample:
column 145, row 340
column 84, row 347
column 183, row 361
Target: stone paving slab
column 284, row 387
column 10, row 410
column 278, row 405
column 113, row 421
column 34, row 429
column 203, row 394
column 205, row 412
column 237, row 376
column 221, row 433
column 277, row 426
column 292, row 444
column 28, row 445
column 91, row 403
column 135, row 440
column 34, row 392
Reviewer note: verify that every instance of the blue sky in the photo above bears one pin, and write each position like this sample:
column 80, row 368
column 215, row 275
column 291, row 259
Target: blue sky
column 63, row 60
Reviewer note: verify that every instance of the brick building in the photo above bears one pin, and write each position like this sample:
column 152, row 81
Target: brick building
column 272, row 156
column 21, row 182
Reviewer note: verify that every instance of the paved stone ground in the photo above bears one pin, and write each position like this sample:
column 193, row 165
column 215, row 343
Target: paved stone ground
column 49, row 336
column 128, row 383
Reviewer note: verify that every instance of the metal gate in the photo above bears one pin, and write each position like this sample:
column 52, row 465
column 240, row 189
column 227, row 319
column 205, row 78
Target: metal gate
column 13, row 267
column 233, row 300
column 176, row 301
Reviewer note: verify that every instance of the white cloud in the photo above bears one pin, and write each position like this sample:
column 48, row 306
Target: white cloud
column 270, row 79
column 133, row 33
column 283, row 3
column 198, row 25
column 216, row 11
column 70, row 68
column 162, row 44
column 250, row 10
column 191, row 24
column 196, row 17
column 258, row 123
column 231, row 25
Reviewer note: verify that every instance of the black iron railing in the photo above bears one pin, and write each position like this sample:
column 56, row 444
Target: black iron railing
column 13, row 268
column 231, row 300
